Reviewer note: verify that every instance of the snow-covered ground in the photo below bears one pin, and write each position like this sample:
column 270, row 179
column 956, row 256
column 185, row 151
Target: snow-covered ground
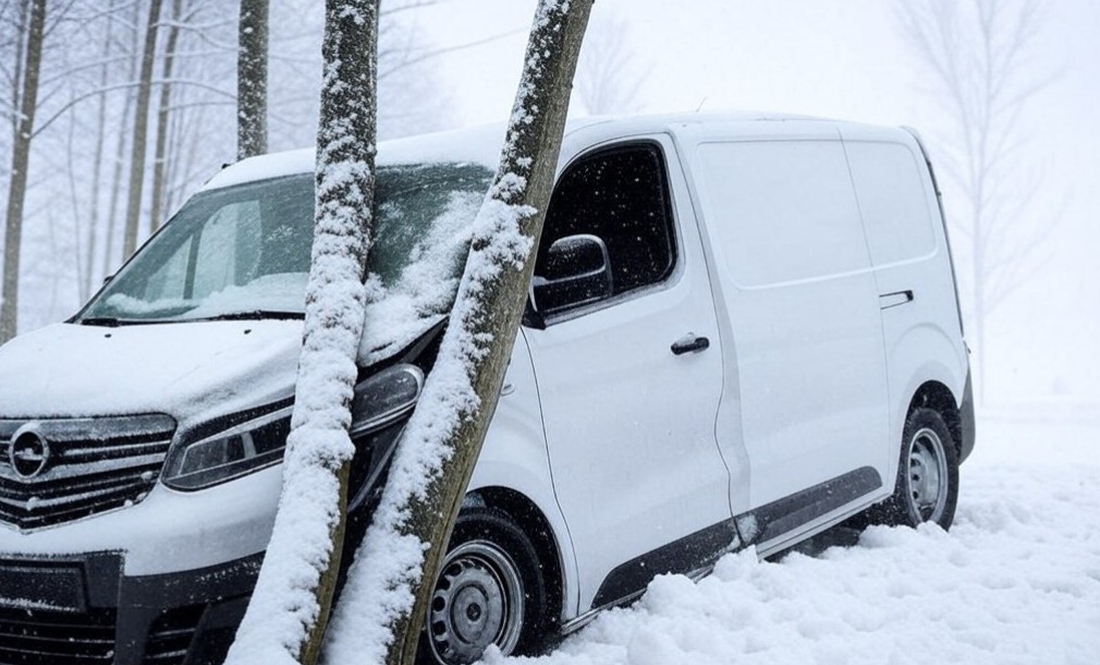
column 1016, row 580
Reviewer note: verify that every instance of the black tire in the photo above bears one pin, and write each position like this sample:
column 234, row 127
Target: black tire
column 927, row 487
column 489, row 591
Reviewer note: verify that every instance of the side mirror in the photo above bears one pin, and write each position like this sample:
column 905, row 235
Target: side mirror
column 576, row 271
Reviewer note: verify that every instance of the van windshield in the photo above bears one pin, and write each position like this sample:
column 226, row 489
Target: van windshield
column 244, row 251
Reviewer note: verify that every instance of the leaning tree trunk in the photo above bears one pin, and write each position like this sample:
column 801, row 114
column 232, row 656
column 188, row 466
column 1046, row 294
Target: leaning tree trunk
column 20, row 161
column 252, row 79
column 389, row 587
column 141, row 132
column 289, row 609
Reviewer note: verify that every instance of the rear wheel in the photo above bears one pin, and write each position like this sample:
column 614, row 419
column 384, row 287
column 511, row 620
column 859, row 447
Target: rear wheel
column 927, row 487
column 489, row 591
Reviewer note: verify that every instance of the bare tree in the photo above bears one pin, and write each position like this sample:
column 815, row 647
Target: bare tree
column 392, row 579
column 122, row 141
column 31, row 52
column 978, row 52
column 141, row 133
column 610, row 73
column 160, row 152
column 252, row 79
column 94, row 185
column 289, row 609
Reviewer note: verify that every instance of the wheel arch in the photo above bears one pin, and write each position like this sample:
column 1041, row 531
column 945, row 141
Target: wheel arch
column 531, row 520
column 935, row 395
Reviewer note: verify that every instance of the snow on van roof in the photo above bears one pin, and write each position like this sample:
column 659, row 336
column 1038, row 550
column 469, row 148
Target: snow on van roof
column 479, row 145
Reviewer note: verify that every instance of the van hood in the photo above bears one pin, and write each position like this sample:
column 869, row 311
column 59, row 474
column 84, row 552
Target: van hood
column 186, row 370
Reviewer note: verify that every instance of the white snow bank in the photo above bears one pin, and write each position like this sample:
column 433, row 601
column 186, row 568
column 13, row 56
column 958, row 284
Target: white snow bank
column 1017, row 580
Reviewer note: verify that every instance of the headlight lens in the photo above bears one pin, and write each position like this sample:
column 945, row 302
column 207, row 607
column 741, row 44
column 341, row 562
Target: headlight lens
column 259, row 442
column 229, row 454
column 385, row 397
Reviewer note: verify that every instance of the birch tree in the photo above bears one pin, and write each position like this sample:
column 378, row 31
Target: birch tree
column 389, row 586
column 31, row 60
column 289, row 609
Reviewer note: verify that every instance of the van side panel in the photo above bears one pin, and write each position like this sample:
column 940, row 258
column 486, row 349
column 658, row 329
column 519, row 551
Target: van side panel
column 514, row 456
column 912, row 267
column 797, row 285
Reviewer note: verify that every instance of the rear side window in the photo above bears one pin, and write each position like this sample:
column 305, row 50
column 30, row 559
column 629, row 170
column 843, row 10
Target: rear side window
column 619, row 195
column 893, row 201
column 782, row 211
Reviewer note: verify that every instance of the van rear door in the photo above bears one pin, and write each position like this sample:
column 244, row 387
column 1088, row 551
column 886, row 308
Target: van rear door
column 912, row 260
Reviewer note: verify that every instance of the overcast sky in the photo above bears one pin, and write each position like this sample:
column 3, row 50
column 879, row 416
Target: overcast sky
column 846, row 60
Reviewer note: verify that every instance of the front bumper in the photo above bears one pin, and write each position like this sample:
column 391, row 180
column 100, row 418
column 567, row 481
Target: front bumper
column 82, row 609
column 163, row 582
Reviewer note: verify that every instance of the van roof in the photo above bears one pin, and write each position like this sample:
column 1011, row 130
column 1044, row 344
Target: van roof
column 481, row 145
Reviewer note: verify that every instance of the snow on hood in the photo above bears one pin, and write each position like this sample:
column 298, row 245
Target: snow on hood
column 186, row 370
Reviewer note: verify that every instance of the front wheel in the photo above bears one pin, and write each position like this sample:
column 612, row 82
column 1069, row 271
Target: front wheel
column 489, row 591
column 927, row 486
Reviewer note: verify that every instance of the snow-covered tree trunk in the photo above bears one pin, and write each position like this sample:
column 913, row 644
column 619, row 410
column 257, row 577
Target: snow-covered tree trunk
column 20, row 161
column 289, row 609
column 383, row 607
column 252, row 79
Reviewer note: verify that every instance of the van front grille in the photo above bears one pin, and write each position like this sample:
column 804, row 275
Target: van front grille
column 170, row 636
column 35, row 637
column 58, row 470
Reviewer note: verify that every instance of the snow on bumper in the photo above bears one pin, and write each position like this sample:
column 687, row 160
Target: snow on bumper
column 168, row 532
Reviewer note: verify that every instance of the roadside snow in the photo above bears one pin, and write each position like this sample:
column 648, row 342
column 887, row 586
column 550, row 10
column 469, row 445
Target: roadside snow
column 1016, row 580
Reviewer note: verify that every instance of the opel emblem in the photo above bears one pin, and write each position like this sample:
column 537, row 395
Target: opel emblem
column 29, row 452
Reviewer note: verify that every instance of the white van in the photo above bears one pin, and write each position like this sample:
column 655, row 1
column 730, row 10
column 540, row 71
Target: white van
column 742, row 331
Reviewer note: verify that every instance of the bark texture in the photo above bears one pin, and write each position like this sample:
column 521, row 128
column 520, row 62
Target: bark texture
column 141, row 132
column 20, row 161
column 252, row 79
column 397, row 564
column 288, row 612
column 160, row 154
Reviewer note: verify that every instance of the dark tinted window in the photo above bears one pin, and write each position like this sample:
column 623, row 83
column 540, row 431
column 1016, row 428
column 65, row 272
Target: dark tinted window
column 621, row 196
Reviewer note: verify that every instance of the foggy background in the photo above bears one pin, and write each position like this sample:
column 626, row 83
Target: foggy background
column 453, row 63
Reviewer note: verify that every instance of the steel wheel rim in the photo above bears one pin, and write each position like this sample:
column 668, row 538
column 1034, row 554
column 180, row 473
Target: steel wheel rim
column 926, row 480
column 477, row 602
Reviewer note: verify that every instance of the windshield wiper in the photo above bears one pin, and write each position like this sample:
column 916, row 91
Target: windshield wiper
column 106, row 321
column 112, row 322
column 253, row 315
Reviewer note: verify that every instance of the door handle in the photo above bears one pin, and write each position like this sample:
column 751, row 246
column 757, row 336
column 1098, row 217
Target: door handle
column 690, row 343
column 888, row 300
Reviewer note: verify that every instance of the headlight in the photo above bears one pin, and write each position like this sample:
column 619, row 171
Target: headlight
column 231, row 453
column 385, row 397
column 251, row 443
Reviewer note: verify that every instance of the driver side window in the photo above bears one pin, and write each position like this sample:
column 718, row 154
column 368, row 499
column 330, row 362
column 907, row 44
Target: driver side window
column 612, row 203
